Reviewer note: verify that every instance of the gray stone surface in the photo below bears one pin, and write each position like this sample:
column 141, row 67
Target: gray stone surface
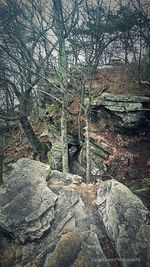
column 123, row 106
column 128, row 109
column 130, row 119
column 127, row 221
column 77, row 168
column 35, row 214
column 108, row 99
column 98, row 153
column 125, row 98
column 55, row 156
column 43, row 223
column 77, row 249
column 26, row 203
column 66, row 177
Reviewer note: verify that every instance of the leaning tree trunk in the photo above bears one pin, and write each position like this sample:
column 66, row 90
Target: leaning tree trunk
column 40, row 148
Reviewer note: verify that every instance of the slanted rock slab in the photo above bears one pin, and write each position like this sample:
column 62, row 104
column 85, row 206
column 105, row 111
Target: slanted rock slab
column 77, row 249
column 26, row 202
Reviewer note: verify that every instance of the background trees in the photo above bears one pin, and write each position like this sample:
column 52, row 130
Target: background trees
column 41, row 44
column 25, row 54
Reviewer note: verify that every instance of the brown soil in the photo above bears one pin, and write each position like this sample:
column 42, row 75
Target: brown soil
column 118, row 80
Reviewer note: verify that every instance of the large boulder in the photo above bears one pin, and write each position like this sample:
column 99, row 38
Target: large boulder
column 44, row 223
column 127, row 222
column 26, row 203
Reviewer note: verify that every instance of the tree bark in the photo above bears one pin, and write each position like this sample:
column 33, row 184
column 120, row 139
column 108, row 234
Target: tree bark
column 1, row 169
column 64, row 139
column 63, row 76
column 39, row 148
column 87, row 141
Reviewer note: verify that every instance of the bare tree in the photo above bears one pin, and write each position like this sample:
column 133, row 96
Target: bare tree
column 24, row 29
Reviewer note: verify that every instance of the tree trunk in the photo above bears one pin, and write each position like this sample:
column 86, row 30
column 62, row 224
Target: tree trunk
column 2, row 150
column 63, row 76
column 87, row 142
column 63, row 66
column 64, row 138
column 1, row 169
column 38, row 147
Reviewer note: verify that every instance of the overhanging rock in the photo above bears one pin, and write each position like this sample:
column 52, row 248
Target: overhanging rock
column 131, row 111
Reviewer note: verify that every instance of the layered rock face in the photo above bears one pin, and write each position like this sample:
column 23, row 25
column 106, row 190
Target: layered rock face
column 26, row 203
column 130, row 111
column 127, row 221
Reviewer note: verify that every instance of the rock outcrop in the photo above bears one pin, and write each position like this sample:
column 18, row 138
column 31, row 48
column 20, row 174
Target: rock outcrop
column 127, row 221
column 129, row 111
column 44, row 221
column 98, row 155
column 45, row 225
column 26, row 203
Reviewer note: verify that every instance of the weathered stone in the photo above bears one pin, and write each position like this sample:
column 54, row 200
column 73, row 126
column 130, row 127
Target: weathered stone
column 66, row 177
column 124, row 107
column 125, row 98
column 98, row 168
column 107, row 148
column 55, row 156
column 53, row 133
column 129, row 111
column 68, row 236
column 97, row 156
column 127, row 222
column 77, row 168
column 77, row 249
column 107, row 99
column 98, row 150
column 130, row 119
column 26, row 203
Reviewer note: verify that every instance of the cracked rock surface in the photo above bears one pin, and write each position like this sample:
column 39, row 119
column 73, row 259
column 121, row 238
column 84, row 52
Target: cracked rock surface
column 26, row 203
column 46, row 224
column 127, row 221
column 40, row 226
